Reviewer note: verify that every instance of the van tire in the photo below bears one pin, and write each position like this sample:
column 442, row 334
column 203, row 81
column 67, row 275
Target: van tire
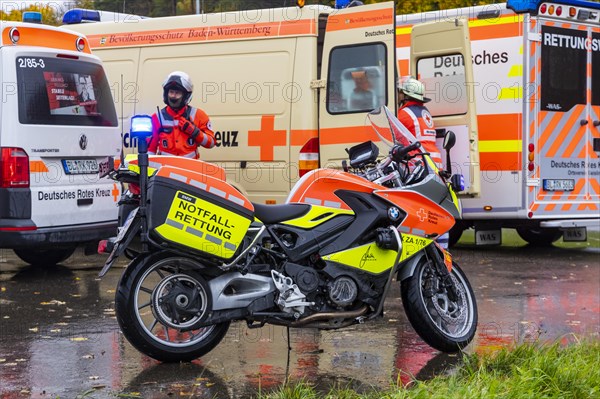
column 45, row 257
column 454, row 234
column 539, row 237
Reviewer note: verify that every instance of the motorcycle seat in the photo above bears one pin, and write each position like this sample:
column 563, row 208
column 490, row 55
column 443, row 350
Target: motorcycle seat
column 271, row 214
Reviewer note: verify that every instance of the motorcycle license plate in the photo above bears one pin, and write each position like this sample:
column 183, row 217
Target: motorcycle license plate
column 124, row 237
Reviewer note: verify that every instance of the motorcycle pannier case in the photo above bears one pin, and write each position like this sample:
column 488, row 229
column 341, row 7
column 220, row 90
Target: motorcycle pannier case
column 193, row 211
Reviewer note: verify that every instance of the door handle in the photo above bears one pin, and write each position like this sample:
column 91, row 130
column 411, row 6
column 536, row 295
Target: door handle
column 596, row 123
column 583, row 122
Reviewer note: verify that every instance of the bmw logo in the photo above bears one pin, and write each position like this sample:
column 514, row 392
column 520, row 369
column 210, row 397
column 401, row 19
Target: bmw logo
column 83, row 142
column 394, row 214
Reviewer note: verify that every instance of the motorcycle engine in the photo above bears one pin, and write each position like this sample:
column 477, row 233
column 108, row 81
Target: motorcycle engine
column 342, row 291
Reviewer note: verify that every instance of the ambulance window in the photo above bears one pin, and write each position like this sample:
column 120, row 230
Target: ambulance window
column 595, row 68
column 445, row 84
column 564, row 63
column 356, row 78
column 61, row 91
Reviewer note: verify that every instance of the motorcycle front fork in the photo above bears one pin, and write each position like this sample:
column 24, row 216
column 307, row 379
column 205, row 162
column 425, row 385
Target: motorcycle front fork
column 442, row 271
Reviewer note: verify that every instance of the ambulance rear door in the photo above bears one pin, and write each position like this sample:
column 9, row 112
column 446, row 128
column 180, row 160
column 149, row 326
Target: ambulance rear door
column 440, row 56
column 63, row 119
column 565, row 58
column 357, row 75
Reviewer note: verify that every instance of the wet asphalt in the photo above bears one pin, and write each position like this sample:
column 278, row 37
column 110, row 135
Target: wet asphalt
column 59, row 337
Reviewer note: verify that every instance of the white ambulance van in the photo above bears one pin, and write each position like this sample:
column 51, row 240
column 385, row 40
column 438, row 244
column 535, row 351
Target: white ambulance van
column 536, row 87
column 58, row 127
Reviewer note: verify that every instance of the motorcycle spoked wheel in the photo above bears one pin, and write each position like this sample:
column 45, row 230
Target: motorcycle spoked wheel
column 444, row 324
column 157, row 302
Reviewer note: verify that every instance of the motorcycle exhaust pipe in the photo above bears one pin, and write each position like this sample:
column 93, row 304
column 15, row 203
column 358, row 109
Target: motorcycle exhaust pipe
column 330, row 315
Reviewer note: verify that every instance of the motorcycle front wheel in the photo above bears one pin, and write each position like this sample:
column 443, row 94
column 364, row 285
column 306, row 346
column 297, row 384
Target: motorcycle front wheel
column 159, row 300
column 445, row 321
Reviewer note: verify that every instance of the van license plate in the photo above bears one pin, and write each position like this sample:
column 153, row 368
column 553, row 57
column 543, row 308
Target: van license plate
column 488, row 237
column 80, row 166
column 559, row 184
column 575, row 234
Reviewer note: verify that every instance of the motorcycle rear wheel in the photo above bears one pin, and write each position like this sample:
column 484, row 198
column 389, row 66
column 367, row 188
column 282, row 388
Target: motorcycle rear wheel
column 444, row 324
column 158, row 300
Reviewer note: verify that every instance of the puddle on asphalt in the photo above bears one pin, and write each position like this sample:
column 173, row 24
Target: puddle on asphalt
column 59, row 336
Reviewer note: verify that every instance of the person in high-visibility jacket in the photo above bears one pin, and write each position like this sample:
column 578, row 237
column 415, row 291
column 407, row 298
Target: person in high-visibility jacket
column 413, row 114
column 416, row 117
column 179, row 129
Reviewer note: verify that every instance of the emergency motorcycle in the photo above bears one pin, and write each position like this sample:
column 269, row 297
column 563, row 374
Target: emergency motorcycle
column 325, row 259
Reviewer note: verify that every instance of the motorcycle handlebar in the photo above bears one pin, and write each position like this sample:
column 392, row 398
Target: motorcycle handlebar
column 400, row 152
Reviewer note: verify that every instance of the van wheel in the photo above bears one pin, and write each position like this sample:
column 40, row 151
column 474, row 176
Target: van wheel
column 44, row 256
column 539, row 237
column 454, row 234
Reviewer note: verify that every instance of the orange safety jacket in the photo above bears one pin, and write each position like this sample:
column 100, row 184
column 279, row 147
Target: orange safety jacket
column 168, row 139
column 419, row 121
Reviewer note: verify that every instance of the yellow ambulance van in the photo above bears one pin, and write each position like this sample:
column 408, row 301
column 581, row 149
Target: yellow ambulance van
column 58, row 127
column 288, row 89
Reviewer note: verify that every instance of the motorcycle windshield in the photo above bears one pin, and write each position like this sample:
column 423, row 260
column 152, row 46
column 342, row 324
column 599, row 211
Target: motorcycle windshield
column 389, row 129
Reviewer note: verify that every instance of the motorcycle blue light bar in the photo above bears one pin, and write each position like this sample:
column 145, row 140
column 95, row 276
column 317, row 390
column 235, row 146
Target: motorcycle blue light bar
column 523, row 6
column 141, row 126
column 34, row 17
column 78, row 15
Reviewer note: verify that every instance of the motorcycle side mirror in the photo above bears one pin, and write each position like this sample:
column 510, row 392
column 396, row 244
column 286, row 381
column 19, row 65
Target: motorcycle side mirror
column 449, row 140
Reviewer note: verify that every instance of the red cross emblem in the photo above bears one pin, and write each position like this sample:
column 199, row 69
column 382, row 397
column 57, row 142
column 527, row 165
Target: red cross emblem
column 115, row 193
column 267, row 138
column 422, row 214
column 427, row 118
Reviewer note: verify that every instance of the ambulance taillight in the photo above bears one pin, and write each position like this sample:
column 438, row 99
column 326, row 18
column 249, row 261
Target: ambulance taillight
column 14, row 168
column 14, row 35
column 309, row 156
column 531, row 157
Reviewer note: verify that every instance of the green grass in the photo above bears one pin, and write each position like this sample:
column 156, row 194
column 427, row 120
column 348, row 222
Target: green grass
column 527, row 371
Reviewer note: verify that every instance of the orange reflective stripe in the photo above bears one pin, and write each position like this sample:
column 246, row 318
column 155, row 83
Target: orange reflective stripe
column 502, row 161
column 579, row 186
column 564, row 135
column 499, row 126
column 403, row 66
column 203, row 34
column 403, row 40
column 554, row 121
column 346, row 135
column 495, row 31
column 300, row 137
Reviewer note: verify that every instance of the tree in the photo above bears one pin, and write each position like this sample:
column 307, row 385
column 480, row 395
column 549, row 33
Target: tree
column 50, row 16
column 161, row 8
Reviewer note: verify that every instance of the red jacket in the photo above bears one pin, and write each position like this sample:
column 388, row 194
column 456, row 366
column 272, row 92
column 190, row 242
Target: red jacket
column 168, row 139
column 419, row 121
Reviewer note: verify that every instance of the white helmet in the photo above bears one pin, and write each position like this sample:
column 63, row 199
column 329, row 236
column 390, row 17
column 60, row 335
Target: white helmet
column 180, row 81
column 413, row 88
